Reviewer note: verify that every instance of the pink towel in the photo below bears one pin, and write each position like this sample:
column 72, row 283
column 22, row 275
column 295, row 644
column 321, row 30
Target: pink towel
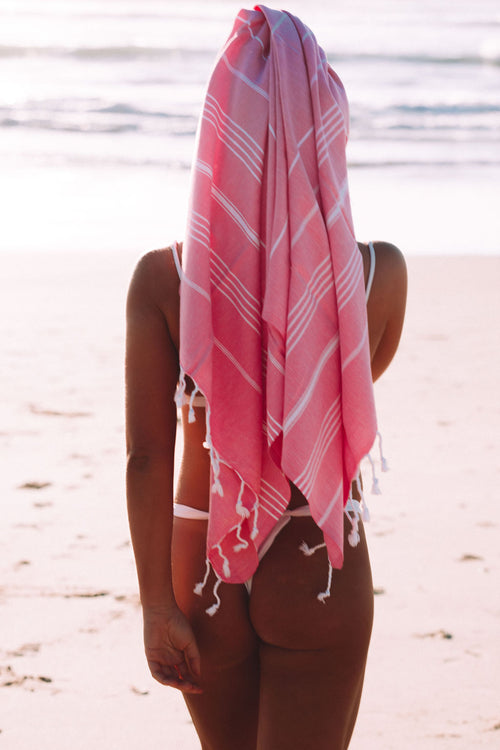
column 273, row 317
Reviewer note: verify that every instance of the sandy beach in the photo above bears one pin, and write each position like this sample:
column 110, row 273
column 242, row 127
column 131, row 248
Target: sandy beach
column 72, row 672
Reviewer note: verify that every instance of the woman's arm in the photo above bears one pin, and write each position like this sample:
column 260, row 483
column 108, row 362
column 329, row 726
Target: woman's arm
column 151, row 372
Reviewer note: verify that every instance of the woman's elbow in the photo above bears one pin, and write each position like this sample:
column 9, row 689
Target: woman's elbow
column 138, row 461
column 145, row 460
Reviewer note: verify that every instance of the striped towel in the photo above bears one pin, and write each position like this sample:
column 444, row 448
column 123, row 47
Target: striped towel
column 273, row 317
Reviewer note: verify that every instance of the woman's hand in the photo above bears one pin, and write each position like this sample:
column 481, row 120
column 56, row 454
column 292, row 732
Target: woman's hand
column 171, row 649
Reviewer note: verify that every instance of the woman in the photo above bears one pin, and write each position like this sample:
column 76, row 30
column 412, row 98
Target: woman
column 230, row 600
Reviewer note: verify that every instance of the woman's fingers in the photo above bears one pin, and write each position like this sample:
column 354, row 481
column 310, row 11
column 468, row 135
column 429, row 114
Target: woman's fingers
column 192, row 656
column 171, row 649
column 176, row 676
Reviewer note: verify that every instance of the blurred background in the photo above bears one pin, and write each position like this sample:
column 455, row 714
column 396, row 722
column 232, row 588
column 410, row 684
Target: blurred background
column 99, row 101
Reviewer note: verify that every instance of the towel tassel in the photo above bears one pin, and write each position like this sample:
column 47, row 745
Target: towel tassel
column 181, row 389
column 191, row 415
column 225, row 561
column 240, row 508
column 255, row 530
column 353, row 513
column 214, row 458
column 365, row 510
column 198, row 589
column 244, row 513
column 308, row 551
column 215, row 606
column 375, row 485
column 227, row 572
column 383, row 460
column 324, row 595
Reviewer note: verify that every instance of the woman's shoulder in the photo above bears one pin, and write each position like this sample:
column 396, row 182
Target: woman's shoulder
column 155, row 278
column 390, row 259
column 156, row 264
column 153, row 294
column 388, row 266
column 390, row 281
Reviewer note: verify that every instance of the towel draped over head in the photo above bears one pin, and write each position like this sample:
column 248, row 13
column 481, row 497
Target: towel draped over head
column 273, row 316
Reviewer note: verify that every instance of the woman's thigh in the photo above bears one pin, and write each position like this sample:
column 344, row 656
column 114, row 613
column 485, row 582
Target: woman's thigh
column 225, row 715
column 313, row 654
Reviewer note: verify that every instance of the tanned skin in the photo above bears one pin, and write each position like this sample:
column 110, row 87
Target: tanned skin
column 277, row 670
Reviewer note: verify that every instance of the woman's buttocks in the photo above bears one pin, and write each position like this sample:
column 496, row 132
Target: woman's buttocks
column 286, row 584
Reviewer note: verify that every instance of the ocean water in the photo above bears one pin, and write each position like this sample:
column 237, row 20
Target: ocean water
column 99, row 102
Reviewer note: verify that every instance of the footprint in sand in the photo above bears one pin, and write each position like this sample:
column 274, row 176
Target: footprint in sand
column 27, row 648
column 22, row 563
column 10, row 679
column 56, row 413
column 34, row 485
column 138, row 691
column 86, row 594
column 444, row 634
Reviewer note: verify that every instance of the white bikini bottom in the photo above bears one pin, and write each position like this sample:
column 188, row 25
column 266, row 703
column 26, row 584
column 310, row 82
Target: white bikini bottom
column 186, row 511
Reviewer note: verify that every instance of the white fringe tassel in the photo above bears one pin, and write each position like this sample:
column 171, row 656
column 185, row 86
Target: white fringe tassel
column 191, row 415
column 244, row 513
column 364, row 505
column 214, row 458
column 255, row 530
column 181, row 389
column 383, row 460
column 214, row 608
column 324, row 595
column 354, row 513
column 198, row 590
column 308, row 551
